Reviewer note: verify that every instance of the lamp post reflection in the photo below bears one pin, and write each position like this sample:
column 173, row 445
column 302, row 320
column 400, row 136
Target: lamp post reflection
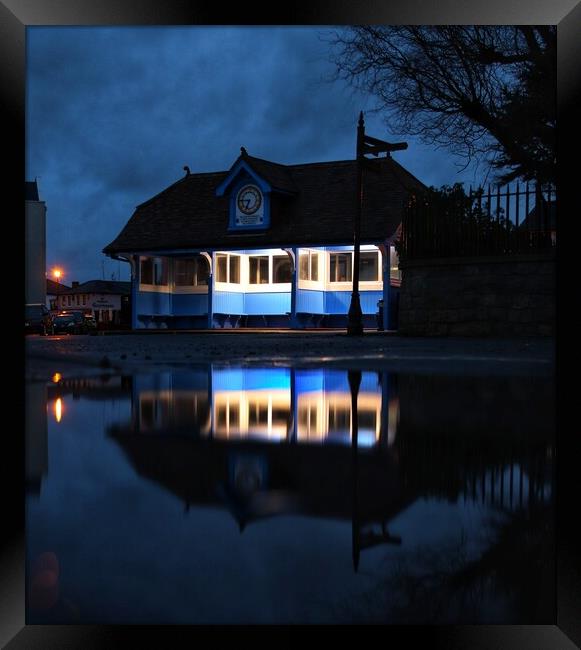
column 354, row 384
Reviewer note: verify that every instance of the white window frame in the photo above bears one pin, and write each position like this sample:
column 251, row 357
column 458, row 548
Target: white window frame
column 364, row 285
column 229, row 286
column 259, row 276
column 321, row 270
column 271, row 287
column 156, row 288
column 189, row 288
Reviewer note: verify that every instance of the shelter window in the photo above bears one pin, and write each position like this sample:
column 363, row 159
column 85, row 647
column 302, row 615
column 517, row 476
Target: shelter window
column 147, row 270
column 221, row 268
column 160, row 268
column 234, row 267
column 369, row 266
column 185, row 272
column 339, row 419
column 154, row 270
column 191, row 272
column 309, row 266
column 202, row 270
column 281, row 269
column 228, row 268
column 258, row 270
column 340, row 267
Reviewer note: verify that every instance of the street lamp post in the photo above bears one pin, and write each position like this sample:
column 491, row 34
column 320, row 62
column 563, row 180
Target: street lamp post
column 373, row 146
column 355, row 315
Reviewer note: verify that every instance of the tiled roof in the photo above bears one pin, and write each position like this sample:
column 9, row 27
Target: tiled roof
column 55, row 288
column 277, row 176
column 101, row 286
column 188, row 214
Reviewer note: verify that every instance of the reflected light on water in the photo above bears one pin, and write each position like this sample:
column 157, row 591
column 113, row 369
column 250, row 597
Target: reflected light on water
column 58, row 409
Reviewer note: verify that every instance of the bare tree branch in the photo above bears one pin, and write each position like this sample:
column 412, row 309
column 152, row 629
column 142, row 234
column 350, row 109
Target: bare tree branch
column 483, row 92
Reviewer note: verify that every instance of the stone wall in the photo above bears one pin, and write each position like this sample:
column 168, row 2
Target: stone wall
column 478, row 297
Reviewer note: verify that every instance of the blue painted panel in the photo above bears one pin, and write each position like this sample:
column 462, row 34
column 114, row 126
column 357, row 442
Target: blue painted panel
column 338, row 248
column 337, row 302
column 227, row 379
column 308, row 381
column 228, row 302
column 153, row 302
column 267, row 303
column 189, row 303
column 236, row 379
column 310, row 302
column 338, row 381
column 267, row 379
column 134, row 292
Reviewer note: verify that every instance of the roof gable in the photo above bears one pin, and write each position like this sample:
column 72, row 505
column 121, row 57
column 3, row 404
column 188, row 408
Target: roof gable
column 237, row 170
column 268, row 175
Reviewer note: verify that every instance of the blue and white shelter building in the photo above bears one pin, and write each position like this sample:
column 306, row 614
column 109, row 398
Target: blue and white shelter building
column 264, row 244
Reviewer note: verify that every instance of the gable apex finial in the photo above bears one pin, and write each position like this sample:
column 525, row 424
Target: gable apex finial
column 243, row 151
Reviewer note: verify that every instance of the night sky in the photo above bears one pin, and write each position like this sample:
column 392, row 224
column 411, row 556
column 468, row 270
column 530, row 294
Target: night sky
column 113, row 115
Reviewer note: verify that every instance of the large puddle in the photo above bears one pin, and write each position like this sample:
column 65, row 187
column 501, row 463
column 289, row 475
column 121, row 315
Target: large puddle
column 254, row 495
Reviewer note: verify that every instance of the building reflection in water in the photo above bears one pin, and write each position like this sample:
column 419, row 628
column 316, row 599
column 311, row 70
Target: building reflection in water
column 274, row 404
column 271, row 441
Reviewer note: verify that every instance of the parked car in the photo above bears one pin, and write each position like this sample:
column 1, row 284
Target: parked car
column 73, row 322
column 38, row 319
column 90, row 324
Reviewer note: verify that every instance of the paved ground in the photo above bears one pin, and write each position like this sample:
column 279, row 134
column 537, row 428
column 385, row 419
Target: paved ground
column 128, row 352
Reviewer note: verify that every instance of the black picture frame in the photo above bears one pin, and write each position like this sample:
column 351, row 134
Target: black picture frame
column 16, row 15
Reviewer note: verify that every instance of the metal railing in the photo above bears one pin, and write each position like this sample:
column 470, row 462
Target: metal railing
column 480, row 222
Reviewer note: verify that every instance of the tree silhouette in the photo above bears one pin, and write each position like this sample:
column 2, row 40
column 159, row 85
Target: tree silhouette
column 486, row 93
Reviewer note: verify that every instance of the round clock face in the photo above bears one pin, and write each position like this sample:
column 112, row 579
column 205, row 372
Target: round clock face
column 249, row 199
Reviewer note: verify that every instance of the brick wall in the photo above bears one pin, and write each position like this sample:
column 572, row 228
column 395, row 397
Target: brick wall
column 478, row 297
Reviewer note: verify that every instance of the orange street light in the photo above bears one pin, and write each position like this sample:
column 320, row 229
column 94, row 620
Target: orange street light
column 57, row 273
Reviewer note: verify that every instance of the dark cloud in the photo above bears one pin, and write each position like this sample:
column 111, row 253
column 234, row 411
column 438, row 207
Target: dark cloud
column 113, row 114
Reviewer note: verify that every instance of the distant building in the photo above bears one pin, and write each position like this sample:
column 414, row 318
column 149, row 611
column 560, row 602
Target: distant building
column 35, row 245
column 542, row 219
column 107, row 300
column 53, row 291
